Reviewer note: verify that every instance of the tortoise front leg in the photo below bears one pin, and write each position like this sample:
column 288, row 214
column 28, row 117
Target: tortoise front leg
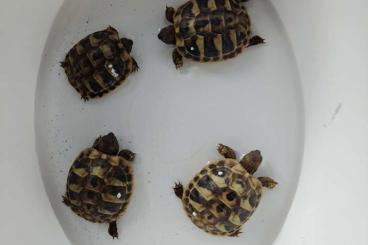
column 127, row 155
column 177, row 59
column 179, row 190
column 255, row 41
column 170, row 11
column 226, row 151
column 268, row 182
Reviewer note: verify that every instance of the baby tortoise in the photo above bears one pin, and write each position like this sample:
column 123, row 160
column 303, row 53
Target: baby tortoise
column 99, row 63
column 208, row 30
column 224, row 194
column 100, row 182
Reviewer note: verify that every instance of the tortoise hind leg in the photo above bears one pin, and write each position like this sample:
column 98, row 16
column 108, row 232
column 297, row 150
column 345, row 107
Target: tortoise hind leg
column 251, row 161
column 113, row 230
column 170, row 14
column 177, row 59
column 255, row 40
column 128, row 44
column 268, row 182
column 179, row 190
column 226, row 151
column 66, row 201
column 236, row 233
column 135, row 66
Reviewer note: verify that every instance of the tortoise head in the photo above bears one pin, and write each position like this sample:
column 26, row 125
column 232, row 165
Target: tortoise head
column 107, row 144
column 167, row 35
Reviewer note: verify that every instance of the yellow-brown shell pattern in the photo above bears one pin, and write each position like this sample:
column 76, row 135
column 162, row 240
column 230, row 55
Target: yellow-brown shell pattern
column 98, row 63
column 99, row 186
column 222, row 197
column 211, row 30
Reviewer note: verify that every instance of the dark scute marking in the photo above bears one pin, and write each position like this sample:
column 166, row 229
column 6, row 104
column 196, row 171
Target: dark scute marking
column 84, row 67
column 129, row 177
column 240, row 37
column 192, row 47
column 187, row 193
column 184, row 29
column 115, row 190
column 96, row 57
column 221, row 163
column 229, row 19
column 253, row 199
column 207, row 183
column 227, row 44
column 187, row 10
column 244, row 214
column 210, row 48
column 111, row 207
column 231, row 196
column 100, row 163
column 101, row 35
column 229, row 226
column 196, row 196
column 117, row 173
column 220, row 3
column 220, row 208
column 95, row 181
column 210, row 216
column 212, row 166
column 204, row 171
column 129, row 188
column 200, row 24
column 74, row 179
column 202, row 4
column 82, row 163
column 195, row 179
column 94, row 85
column 73, row 195
column 216, row 22
column 91, row 195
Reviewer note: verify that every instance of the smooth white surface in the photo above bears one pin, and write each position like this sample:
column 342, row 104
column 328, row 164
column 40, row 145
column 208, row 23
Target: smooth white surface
column 173, row 119
column 329, row 38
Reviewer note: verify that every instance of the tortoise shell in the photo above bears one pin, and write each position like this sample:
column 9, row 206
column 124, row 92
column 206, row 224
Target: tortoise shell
column 224, row 194
column 222, row 197
column 211, row 30
column 99, row 186
column 99, row 63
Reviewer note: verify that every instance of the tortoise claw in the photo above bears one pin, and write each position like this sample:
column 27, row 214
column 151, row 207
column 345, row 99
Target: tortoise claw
column 179, row 190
